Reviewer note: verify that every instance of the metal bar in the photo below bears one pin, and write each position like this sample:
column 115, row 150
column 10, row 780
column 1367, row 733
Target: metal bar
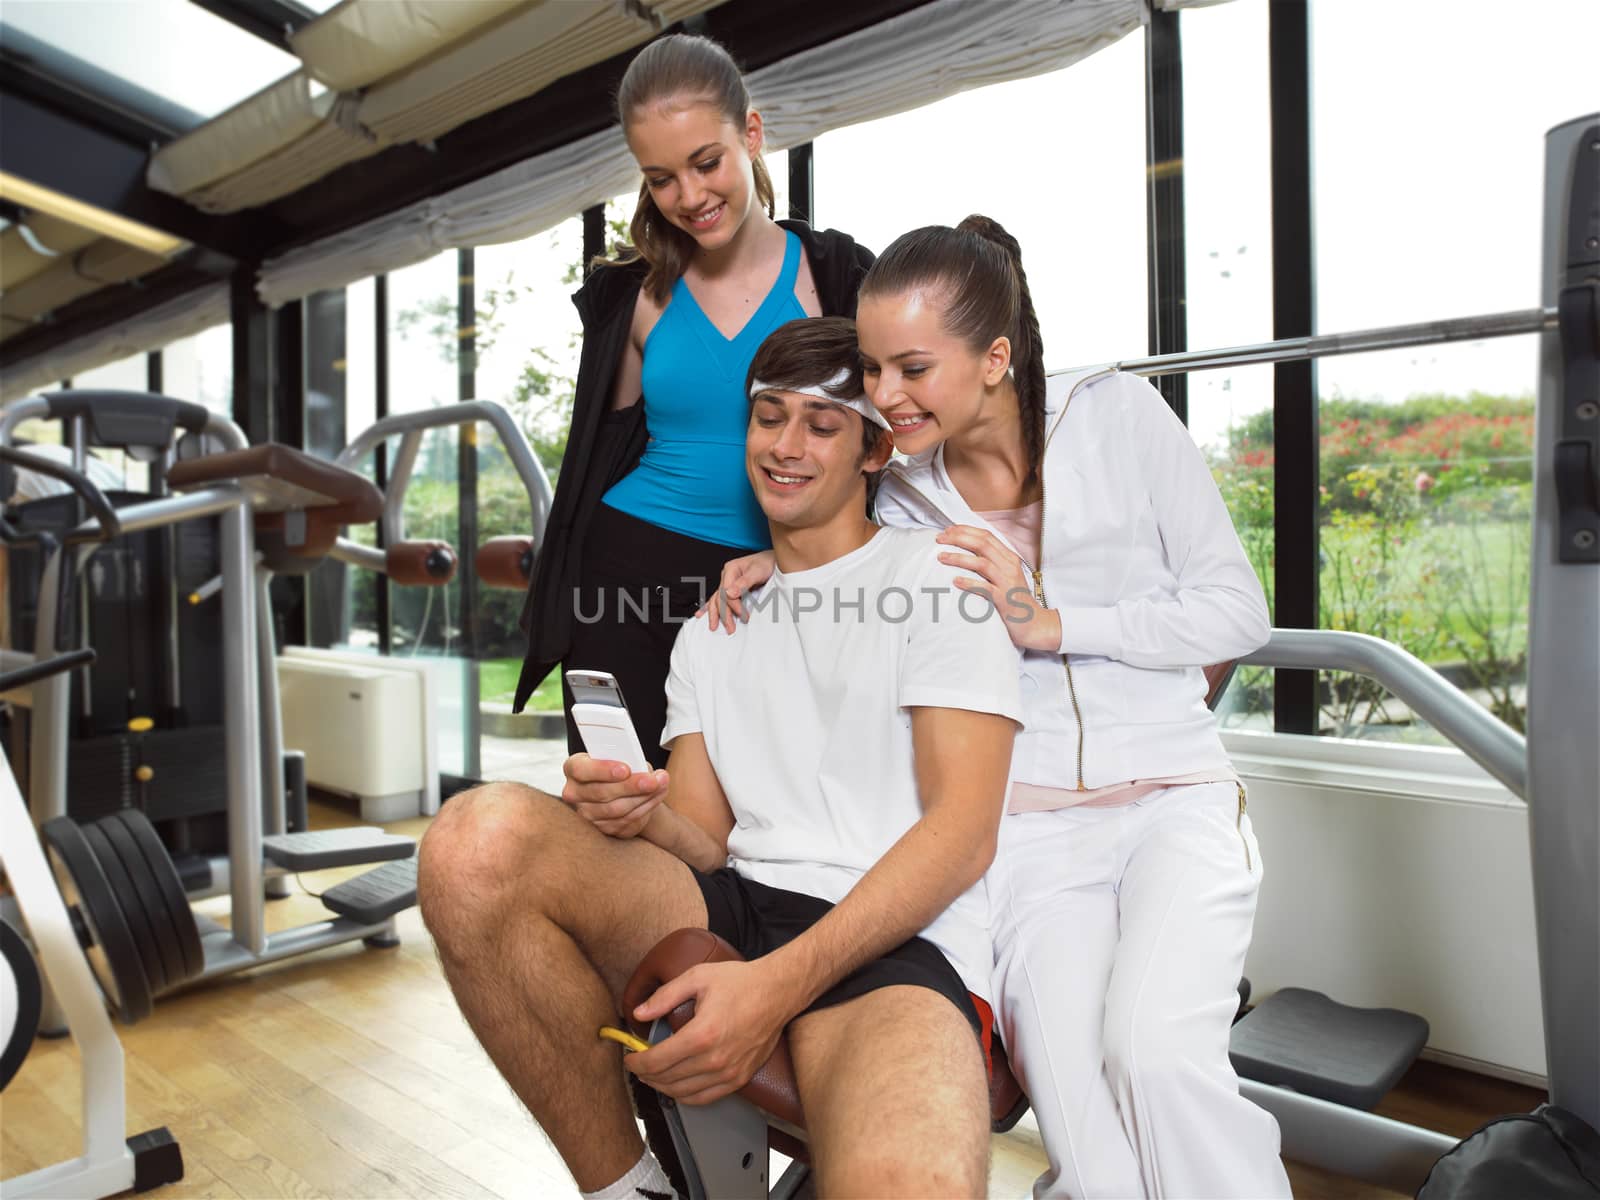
column 224, row 955
column 1361, row 341
column 393, row 522
column 466, row 579
column 1484, row 738
column 275, row 816
column 47, row 749
column 1348, row 1141
column 253, row 364
column 1166, row 284
column 166, row 510
column 288, row 403
column 411, row 426
column 242, row 725
column 380, row 455
column 270, row 20
column 802, row 182
column 358, row 555
column 1296, row 498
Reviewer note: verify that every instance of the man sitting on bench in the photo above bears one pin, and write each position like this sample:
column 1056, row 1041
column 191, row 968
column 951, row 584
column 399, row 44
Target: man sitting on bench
column 835, row 785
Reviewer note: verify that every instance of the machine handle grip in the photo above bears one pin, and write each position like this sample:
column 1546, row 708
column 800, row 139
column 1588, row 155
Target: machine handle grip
column 99, row 507
column 34, row 672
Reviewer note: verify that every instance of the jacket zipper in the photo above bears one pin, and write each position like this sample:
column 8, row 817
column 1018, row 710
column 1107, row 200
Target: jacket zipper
column 1038, row 592
column 1238, row 824
column 1038, row 571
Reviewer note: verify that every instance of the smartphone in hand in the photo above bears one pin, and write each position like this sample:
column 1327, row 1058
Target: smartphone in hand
column 603, row 721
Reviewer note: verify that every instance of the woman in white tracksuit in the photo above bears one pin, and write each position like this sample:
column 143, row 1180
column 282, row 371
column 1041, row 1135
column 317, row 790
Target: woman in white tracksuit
column 1124, row 889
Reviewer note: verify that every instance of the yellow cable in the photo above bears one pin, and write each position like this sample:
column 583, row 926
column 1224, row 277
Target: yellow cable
column 625, row 1038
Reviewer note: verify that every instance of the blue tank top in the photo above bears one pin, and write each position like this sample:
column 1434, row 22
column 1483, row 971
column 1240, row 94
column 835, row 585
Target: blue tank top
column 691, row 479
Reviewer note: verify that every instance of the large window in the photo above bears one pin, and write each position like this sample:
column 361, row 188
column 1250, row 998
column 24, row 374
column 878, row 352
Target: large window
column 200, row 369
column 1058, row 160
column 528, row 344
column 1427, row 203
column 1228, row 239
column 1428, row 167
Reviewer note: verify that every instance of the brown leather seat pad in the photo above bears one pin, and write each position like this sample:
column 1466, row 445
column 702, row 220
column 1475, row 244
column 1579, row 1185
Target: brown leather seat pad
column 281, row 477
column 772, row 1089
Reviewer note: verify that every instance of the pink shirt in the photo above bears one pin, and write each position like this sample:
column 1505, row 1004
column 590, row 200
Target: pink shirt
column 1023, row 528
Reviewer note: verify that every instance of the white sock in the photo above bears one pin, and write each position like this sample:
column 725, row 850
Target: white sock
column 646, row 1179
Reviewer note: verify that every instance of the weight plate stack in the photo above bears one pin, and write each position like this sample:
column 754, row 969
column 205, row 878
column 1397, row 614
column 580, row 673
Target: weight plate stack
column 127, row 896
column 18, row 1028
column 112, row 952
column 147, row 898
column 175, row 899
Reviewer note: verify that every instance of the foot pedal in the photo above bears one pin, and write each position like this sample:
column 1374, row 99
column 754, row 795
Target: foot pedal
column 376, row 896
column 1302, row 1040
column 335, row 848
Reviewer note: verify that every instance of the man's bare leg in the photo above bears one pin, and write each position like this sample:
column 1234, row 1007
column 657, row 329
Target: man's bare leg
column 539, row 921
column 896, row 1099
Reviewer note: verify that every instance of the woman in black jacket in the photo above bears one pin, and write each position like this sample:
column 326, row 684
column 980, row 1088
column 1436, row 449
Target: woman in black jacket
column 643, row 519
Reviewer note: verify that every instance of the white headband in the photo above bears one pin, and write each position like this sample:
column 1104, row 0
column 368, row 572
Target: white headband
column 819, row 390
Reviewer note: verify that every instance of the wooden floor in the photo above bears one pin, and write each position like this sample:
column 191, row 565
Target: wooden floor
column 350, row 1073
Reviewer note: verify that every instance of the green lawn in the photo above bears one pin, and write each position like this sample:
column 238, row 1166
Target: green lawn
column 1430, row 589
column 497, row 682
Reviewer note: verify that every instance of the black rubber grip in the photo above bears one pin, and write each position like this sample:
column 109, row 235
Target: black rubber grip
column 123, row 419
column 99, row 506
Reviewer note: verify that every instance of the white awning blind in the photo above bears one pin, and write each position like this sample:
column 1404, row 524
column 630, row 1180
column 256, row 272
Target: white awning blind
column 150, row 330
column 383, row 72
column 913, row 59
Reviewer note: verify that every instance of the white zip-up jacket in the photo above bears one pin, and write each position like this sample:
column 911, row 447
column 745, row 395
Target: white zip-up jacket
column 1141, row 561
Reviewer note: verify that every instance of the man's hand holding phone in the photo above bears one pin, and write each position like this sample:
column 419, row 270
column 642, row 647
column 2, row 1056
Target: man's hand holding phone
column 614, row 799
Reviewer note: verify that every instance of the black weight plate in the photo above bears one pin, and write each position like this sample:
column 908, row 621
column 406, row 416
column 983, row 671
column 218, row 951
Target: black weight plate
column 171, row 884
column 112, row 954
column 19, row 1038
column 155, row 904
column 127, row 894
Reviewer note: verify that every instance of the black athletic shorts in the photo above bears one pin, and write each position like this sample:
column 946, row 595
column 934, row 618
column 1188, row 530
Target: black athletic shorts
column 756, row 919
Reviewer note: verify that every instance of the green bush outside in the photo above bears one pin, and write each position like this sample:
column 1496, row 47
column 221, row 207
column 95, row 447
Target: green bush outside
column 1426, row 510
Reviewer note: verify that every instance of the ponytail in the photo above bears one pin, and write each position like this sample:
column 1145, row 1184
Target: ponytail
column 978, row 267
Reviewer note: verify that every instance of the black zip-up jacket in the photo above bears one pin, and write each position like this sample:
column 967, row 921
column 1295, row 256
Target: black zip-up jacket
column 604, row 445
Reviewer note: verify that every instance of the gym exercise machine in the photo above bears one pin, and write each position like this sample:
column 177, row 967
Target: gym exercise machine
column 1319, row 1066
column 110, row 925
column 505, row 561
column 300, row 504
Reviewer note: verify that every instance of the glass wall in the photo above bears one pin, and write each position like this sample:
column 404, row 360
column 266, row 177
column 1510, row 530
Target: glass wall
column 1428, row 162
column 1427, row 204
column 200, row 369
column 529, row 338
column 1057, row 159
column 1227, row 164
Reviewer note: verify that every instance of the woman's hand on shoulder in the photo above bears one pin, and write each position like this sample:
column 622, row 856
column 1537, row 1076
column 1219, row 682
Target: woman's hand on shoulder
column 1005, row 581
column 739, row 575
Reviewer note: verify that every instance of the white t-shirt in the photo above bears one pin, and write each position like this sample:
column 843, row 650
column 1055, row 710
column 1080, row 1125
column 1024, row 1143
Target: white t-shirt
column 803, row 710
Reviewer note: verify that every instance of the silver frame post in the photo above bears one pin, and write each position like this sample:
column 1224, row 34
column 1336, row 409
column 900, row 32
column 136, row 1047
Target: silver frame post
column 1564, row 676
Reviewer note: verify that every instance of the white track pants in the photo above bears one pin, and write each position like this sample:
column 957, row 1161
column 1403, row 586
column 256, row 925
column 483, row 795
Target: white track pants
column 1120, row 936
